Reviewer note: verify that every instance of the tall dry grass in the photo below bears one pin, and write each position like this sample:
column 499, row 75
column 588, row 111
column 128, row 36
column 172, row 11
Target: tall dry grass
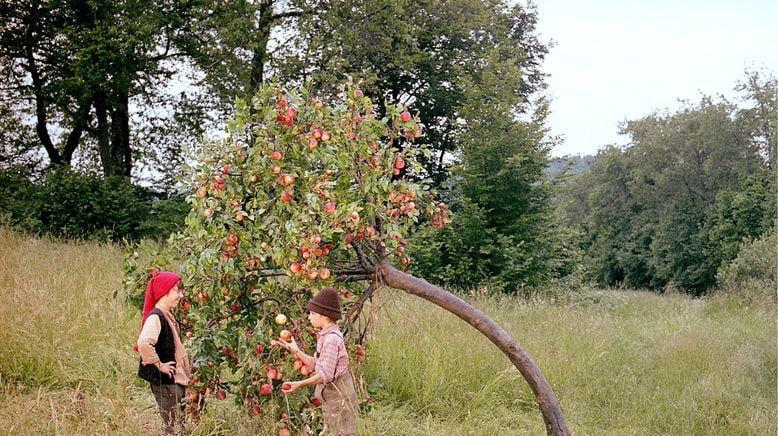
column 620, row 363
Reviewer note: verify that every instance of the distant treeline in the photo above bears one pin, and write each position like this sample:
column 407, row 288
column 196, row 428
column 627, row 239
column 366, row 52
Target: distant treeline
column 683, row 197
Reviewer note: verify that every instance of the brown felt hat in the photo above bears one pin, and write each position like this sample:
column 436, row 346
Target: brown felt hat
column 326, row 303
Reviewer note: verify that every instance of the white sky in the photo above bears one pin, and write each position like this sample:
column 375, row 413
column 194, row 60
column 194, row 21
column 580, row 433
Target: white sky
column 618, row 60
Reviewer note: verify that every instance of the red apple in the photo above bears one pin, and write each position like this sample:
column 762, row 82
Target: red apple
column 316, row 133
column 285, row 335
column 358, row 93
column 313, row 273
column 286, row 386
column 272, row 373
column 259, row 348
column 324, row 273
column 360, row 350
column 286, row 179
column 318, row 104
column 325, row 136
column 275, row 155
column 315, row 402
column 201, row 191
column 255, row 410
column 399, row 163
column 208, row 212
column 329, row 207
column 281, row 102
column 220, row 394
column 355, row 216
column 275, row 169
column 266, row 389
column 286, row 196
column 254, row 178
column 405, row 116
column 295, row 267
column 234, row 306
column 291, row 112
column 232, row 239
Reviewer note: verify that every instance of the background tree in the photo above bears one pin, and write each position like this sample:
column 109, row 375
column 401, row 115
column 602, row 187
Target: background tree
column 504, row 234
column 82, row 69
column 674, row 205
column 430, row 54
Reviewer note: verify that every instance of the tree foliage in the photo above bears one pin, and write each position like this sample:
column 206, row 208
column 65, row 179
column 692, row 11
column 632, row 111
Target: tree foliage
column 674, row 206
column 504, row 232
column 432, row 54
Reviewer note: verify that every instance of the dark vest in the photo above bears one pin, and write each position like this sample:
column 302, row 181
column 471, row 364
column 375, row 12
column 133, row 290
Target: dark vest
column 166, row 350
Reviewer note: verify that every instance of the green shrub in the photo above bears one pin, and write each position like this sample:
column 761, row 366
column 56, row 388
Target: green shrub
column 751, row 276
column 67, row 204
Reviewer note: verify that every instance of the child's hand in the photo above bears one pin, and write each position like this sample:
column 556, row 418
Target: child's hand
column 289, row 387
column 290, row 346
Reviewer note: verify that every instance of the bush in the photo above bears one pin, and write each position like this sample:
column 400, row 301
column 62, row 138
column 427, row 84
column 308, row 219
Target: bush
column 68, row 204
column 751, row 276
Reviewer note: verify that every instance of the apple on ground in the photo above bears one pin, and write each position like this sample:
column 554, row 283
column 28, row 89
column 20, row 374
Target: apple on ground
column 285, row 335
column 280, row 319
column 220, row 395
column 266, row 389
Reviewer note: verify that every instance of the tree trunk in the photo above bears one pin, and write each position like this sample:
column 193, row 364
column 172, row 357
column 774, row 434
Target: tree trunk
column 121, row 153
column 549, row 407
column 259, row 56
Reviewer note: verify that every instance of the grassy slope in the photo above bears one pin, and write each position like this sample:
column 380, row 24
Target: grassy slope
column 620, row 363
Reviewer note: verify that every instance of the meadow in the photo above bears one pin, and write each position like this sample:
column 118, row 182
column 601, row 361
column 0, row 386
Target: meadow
column 620, row 362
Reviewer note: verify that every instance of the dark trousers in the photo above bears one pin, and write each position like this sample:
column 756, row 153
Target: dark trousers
column 169, row 400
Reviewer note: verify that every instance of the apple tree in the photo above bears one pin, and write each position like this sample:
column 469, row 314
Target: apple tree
column 302, row 194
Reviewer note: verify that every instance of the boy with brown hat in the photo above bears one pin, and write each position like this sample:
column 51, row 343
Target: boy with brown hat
column 334, row 385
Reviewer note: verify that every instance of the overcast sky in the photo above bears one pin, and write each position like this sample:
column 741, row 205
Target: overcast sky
column 623, row 59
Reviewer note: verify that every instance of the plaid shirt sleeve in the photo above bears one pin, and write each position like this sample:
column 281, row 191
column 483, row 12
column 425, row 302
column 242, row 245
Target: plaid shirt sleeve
column 327, row 360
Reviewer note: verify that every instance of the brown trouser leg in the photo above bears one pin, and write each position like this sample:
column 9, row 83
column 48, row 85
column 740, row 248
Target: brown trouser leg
column 170, row 406
column 339, row 406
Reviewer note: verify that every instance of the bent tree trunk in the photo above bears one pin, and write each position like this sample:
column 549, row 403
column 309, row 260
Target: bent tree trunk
column 549, row 407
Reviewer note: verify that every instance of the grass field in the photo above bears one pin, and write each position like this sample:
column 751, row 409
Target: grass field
column 620, row 363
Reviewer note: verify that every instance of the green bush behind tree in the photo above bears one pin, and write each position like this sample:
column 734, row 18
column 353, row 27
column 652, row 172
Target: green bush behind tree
column 68, row 204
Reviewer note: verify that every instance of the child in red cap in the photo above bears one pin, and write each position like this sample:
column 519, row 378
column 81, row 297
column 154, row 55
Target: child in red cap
column 164, row 362
column 334, row 385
